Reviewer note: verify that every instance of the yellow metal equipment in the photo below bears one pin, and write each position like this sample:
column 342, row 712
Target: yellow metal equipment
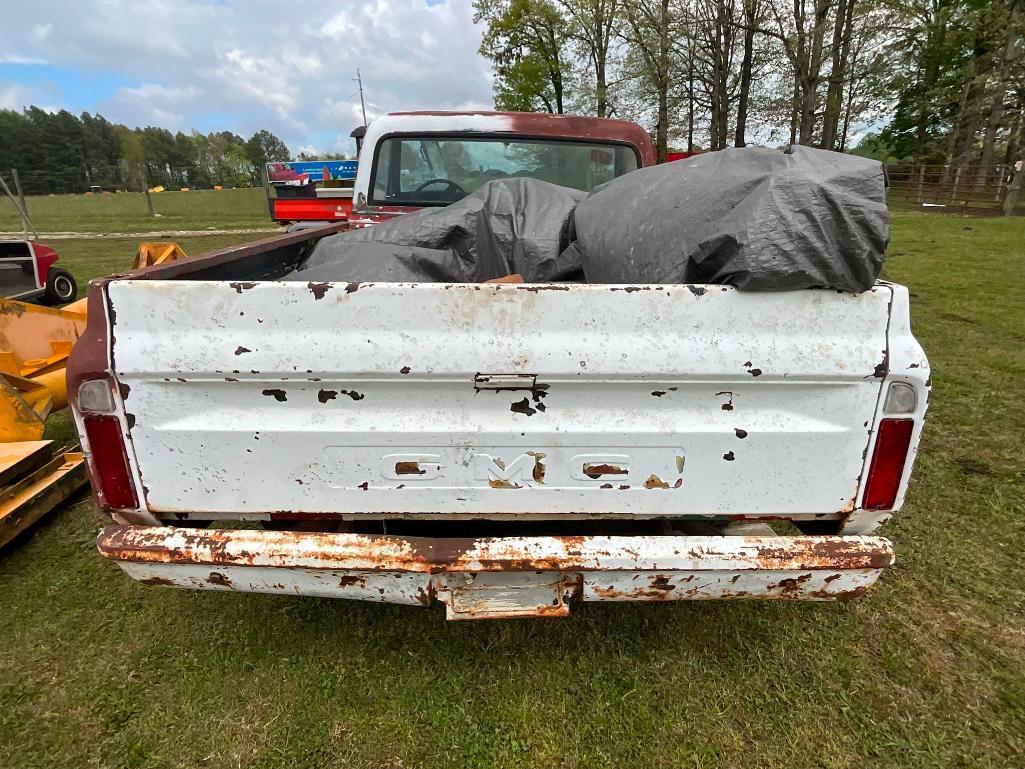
column 157, row 252
column 35, row 343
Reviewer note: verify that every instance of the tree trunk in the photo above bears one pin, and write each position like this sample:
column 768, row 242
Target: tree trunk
column 841, row 49
column 662, row 132
column 812, row 70
column 934, row 43
column 996, row 111
column 690, row 97
column 795, row 108
column 1014, row 133
column 962, row 134
column 750, row 18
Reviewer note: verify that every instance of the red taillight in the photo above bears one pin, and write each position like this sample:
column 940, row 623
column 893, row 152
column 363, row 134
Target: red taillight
column 887, row 466
column 107, row 447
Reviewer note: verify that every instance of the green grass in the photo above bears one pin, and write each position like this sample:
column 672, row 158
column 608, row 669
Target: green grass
column 127, row 212
column 928, row 670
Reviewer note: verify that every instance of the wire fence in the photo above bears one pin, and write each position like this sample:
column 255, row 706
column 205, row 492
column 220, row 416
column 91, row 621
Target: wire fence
column 979, row 190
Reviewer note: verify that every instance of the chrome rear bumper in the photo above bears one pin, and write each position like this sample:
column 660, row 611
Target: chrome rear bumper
column 499, row 577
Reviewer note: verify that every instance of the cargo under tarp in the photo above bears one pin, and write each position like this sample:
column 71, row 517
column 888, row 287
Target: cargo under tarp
column 754, row 218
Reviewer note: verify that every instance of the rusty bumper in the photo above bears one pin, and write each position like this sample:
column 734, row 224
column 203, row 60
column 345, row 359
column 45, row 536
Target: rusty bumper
column 499, row 577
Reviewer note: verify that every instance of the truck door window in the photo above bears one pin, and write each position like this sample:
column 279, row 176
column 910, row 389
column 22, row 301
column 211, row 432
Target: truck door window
column 426, row 171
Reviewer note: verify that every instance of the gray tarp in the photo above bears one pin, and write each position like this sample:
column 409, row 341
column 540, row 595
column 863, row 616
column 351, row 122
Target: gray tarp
column 758, row 219
column 507, row 226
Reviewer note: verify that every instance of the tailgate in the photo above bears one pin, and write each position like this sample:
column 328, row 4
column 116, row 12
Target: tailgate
column 254, row 399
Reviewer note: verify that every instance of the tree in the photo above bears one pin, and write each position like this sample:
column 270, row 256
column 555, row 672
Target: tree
column 527, row 43
column 264, row 147
column 593, row 26
column 650, row 31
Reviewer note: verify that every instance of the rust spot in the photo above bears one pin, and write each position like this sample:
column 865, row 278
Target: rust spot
column 522, row 407
column 538, row 472
column 624, row 487
column 130, row 419
column 327, row 395
column 597, row 471
column 276, row 394
column 882, row 368
column 697, row 290
column 605, row 486
column 658, row 393
column 678, row 484
column 404, row 370
column 790, row 585
column 728, row 406
column 831, row 578
column 409, row 468
column 364, row 486
column 496, row 483
column 755, row 372
column 216, row 578
column 230, row 379
column 740, row 433
column 351, row 288
column 352, row 394
column 348, row 580
column 157, row 581
column 654, row 482
column 240, row 349
column 242, row 286
column 534, row 289
column 318, row 289
column 661, row 582
column 728, row 456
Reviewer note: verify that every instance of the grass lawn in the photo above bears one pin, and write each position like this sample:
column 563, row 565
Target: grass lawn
column 928, row 670
column 127, row 212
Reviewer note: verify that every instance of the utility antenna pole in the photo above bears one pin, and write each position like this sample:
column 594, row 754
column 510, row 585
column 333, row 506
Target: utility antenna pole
column 363, row 106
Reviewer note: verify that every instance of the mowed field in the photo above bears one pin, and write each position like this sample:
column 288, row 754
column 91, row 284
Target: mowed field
column 127, row 211
column 928, row 670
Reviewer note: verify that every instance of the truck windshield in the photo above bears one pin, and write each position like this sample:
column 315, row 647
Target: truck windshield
column 436, row 171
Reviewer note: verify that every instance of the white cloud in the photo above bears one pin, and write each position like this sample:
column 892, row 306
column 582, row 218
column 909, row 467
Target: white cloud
column 243, row 65
column 14, row 58
column 13, row 97
column 40, row 32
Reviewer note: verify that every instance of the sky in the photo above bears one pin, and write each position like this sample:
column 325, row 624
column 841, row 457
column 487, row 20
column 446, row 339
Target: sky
column 288, row 66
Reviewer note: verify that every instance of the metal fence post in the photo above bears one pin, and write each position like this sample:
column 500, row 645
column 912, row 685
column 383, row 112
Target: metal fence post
column 18, row 190
column 1011, row 198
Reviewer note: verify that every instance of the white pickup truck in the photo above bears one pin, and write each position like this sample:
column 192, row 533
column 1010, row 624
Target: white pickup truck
column 503, row 449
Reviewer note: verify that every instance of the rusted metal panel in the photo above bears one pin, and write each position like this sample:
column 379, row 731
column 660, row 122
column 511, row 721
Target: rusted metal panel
column 362, row 552
column 500, row 577
column 368, row 552
column 646, row 400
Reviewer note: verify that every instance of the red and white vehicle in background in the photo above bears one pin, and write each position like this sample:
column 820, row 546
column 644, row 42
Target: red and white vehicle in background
column 27, row 273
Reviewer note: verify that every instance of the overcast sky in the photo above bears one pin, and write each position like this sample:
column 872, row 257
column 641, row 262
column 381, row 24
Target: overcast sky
column 242, row 65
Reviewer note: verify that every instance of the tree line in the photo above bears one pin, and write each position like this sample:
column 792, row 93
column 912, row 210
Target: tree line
column 57, row 152
column 927, row 81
